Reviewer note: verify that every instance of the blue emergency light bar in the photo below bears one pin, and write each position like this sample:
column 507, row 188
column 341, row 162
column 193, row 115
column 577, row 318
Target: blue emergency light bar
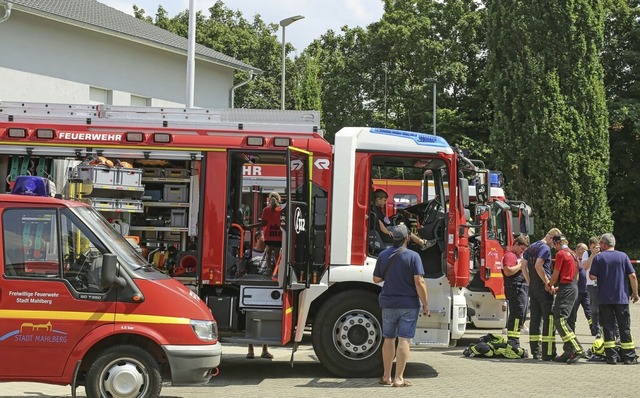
column 496, row 179
column 31, row 186
column 419, row 138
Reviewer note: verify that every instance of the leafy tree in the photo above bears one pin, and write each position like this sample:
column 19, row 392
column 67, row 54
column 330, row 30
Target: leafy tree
column 621, row 59
column 550, row 120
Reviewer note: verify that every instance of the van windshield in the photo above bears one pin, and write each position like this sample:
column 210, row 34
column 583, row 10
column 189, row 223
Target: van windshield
column 105, row 232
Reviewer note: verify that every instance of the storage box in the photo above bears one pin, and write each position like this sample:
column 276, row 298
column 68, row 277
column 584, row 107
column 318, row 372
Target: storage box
column 130, row 204
column 178, row 218
column 176, row 173
column 104, row 204
column 129, row 177
column 101, row 175
column 175, row 193
column 155, row 172
column 152, row 195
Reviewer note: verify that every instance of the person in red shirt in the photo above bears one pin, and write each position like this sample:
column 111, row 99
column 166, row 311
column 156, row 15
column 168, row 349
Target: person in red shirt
column 516, row 288
column 565, row 274
column 270, row 219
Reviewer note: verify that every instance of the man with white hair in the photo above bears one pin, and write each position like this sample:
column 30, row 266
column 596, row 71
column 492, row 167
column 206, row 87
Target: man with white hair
column 612, row 268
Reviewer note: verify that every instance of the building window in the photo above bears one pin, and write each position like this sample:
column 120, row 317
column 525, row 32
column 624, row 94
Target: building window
column 101, row 95
column 136, row 100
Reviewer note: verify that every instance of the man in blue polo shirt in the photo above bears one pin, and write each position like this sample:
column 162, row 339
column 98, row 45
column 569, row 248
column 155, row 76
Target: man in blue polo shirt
column 612, row 268
column 404, row 288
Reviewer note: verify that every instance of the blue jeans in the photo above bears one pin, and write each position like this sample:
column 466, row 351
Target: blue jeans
column 399, row 322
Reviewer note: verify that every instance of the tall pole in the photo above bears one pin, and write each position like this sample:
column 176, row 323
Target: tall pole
column 434, row 81
column 284, row 23
column 191, row 60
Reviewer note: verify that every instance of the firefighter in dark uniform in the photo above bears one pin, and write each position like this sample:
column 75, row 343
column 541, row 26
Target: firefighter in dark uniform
column 542, row 337
column 614, row 273
column 565, row 272
column 516, row 288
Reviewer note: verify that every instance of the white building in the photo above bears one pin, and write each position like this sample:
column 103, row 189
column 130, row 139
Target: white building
column 84, row 52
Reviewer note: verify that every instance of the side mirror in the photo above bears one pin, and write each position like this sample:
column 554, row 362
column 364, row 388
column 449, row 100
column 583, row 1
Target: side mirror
column 525, row 219
column 463, row 185
column 108, row 277
column 482, row 187
column 482, row 212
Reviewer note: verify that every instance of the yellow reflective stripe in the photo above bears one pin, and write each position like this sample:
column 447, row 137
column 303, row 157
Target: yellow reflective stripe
column 500, row 296
column 535, row 337
column 627, row 346
column 92, row 316
column 609, row 344
column 496, row 275
column 288, row 310
column 513, row 334
column 135, row 318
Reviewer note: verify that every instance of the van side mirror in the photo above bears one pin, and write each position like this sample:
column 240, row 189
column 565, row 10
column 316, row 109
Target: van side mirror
column 108, row 277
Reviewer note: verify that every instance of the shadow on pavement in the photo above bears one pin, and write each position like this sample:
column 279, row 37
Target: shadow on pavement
column 236, row 370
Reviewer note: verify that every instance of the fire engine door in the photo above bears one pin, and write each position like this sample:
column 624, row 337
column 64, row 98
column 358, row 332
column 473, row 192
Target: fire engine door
column 296, row 237
column 495, row 234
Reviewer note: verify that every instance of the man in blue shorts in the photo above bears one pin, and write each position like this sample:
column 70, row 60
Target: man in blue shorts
column 404, row 288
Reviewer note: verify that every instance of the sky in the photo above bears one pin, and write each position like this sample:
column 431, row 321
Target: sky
column 320, row 15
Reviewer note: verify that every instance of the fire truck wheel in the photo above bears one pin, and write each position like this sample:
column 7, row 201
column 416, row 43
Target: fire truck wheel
column 124, row 371
column 347, row 335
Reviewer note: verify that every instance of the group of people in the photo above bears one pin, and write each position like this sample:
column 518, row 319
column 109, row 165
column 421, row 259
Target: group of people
column 594, row 277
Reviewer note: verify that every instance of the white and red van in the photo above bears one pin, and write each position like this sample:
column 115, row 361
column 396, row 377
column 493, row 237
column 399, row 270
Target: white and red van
column 79, row 306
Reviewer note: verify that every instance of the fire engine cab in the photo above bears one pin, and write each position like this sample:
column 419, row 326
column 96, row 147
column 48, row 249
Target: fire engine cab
column 80, row 307
column 183, row 185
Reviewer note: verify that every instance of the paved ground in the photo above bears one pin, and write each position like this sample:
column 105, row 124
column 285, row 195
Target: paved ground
column 434, row 372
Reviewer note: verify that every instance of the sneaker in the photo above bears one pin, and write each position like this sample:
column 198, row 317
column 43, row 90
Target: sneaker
column 574, row 357
column 427, row 244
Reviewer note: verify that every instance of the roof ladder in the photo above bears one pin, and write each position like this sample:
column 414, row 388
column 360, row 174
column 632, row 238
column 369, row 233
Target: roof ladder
column 163, row 117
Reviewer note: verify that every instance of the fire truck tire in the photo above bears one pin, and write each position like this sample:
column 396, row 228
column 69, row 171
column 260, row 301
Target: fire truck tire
column 124, row 371
column 347, row 334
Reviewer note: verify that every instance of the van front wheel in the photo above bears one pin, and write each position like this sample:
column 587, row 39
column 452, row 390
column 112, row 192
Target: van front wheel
column 124, row 371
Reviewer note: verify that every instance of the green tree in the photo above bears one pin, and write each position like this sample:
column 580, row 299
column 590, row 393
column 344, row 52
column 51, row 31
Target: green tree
column 621, row 60
column 550, row 118
column 306, row 90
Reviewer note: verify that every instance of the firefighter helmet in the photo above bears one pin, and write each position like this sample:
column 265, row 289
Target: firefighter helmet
column 597, row 347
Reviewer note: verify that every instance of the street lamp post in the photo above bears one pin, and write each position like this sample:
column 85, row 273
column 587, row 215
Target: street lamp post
column 434, row 81
column 284, row 23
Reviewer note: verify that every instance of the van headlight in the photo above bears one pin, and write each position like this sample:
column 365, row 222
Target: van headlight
column 205, row 330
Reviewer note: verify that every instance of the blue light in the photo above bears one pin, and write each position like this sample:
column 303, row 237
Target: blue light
column 495, row 178
column 418, row 138
column 31, row 186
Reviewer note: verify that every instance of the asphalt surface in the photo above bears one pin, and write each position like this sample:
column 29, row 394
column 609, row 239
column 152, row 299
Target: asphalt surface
column 433, row 372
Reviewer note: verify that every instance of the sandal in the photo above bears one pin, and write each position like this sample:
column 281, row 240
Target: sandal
column 266, row 355
column 250, row 355
column 405, row 383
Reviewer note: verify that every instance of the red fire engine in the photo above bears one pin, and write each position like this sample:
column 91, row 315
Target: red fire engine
column 191, row 196
column 485, row 298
